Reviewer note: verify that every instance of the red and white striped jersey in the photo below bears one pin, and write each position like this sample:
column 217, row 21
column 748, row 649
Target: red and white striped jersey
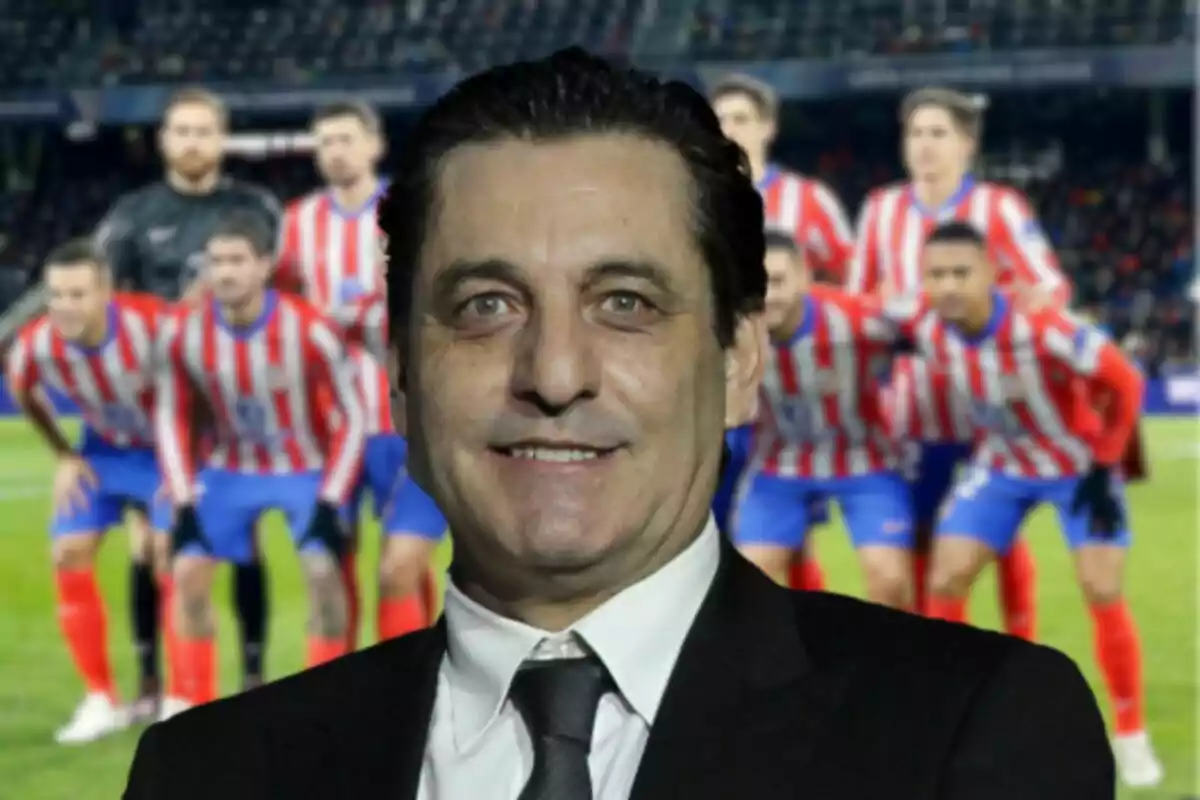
column 1025, row 384
column 112, row 384
column 893, row 225
column 275, row 388
column 892, row 228
column 810, row 212
column 335, row 257
column 820, row 414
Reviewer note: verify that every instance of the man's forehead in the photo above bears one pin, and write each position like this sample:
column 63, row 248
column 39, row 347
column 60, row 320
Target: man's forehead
column 563, row 204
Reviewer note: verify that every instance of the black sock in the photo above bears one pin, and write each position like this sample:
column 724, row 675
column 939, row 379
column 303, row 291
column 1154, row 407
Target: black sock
column 250, row 600
column 143, row 595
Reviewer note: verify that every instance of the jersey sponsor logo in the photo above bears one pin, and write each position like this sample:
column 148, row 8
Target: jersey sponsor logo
column 350, row 290
column 160, row 235
column 1011, row 386
column 277, row 377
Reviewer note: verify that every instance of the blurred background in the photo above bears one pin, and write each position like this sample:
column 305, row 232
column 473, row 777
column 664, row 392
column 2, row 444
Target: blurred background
column 1090, row 111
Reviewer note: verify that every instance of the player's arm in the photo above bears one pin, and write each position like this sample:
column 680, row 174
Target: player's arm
column 363, row 323
column 174, row 412
column 1109, row 373
column 833, row 238
column 863, row 273
column 287, row 276
column 115, row 239
column 333, row 372
column 1028, row 252
column 24, row 385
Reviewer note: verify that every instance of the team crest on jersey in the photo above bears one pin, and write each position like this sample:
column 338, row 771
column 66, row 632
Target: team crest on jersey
column 827, row 381
column 1011, row 386
column 350, row 290
column 277, row 377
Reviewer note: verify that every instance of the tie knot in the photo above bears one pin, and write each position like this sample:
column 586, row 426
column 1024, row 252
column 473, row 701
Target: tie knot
column 558, row 698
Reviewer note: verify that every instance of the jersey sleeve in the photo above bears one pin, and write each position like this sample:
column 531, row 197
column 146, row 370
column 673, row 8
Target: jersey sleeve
column 114, row 238
column 830, row 237
column 363, row 322
column 344, row 459
column 287, row 277
column 173, row 410
column 1088, row 353
column 1027, row 252
column 20, row 367
column 862, row 273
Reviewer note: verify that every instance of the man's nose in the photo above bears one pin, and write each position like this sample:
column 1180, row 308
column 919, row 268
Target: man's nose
column 556, row 365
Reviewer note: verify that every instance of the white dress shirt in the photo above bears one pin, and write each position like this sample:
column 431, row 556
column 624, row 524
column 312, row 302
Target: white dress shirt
column 478, row 746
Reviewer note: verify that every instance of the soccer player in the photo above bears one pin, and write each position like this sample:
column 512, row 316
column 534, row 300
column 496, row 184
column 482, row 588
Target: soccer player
column 154, row 238
column 332, row 253
column 941, row 130
column 288, row 435
column 1029, row 381
column 821, row 432
column 95, row 348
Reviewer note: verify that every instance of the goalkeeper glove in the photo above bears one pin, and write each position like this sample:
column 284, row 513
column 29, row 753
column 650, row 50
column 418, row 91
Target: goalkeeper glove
column 1094, row 496
column 325, row 528
column 186, row 530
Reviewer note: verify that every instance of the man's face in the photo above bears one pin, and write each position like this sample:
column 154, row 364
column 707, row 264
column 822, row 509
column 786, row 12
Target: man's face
column 192, row 140
column 956, row 279
column 934, row 145
column 236, row 273
column 347, row 150
column 566, row 391
column 787, row 282
column 743, row 123
column 79, row 295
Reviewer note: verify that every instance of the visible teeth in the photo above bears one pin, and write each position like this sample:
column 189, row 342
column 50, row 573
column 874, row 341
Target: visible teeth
column 554, row 454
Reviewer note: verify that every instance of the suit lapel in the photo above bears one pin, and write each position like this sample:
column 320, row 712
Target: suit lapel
column 745, row 705
column 376, row 741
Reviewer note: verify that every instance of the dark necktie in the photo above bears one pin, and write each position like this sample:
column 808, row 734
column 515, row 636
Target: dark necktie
column 558, row 700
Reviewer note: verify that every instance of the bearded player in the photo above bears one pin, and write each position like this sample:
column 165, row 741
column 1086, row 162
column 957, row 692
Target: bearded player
column 154, row 238
column 274, row 373
column 798, row 205
column 95, row 348
column 821, row 433
column 332, row 253
column 941, row 131
column 1029, row 381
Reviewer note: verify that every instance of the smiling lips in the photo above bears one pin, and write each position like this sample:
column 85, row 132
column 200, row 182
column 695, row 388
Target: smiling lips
column 554, row 452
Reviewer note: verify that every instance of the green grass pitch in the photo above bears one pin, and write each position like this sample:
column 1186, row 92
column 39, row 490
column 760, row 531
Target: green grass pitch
column 38, row 688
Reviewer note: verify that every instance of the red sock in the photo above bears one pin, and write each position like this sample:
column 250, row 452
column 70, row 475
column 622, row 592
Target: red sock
column 806, row 574
column 197, row 661
column 166, row 596
column 85, row 627
column 401, row 615
column 951, row 609
column 1120, row 658
column 321, row 650
column 920, row 570
column 353, row 600
column 1017, row 582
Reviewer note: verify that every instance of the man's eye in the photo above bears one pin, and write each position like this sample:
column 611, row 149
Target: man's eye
column 485, row 306
column 626, row 303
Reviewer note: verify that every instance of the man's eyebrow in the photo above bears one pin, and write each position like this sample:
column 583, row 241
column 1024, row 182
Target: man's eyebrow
column 491, row 269
column 641, row 269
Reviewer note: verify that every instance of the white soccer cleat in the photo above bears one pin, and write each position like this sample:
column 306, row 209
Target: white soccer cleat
column 97, row 716
column 1137, row 765
column 170, row 706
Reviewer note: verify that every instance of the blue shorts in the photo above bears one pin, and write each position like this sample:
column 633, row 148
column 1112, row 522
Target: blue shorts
column 990, row 506
column 739, row 443
column 932, row 469
column 400, row 505
column 228, row 505
column 126, row 477
column 776, row 511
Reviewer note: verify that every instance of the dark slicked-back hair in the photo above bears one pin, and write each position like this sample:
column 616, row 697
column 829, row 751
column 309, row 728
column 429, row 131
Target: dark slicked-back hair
column 80, row 251
column 248, row 227
column 572, row 93
column 956, row 232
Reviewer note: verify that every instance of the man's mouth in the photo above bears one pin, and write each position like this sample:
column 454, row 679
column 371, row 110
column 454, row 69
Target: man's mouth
column 554, row 453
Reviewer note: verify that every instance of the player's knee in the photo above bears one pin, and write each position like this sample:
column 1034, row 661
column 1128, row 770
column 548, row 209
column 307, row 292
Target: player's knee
column 402, row 566
column 327, row 594
column 776, row 562
column 160, row 553
column 73, row 553
column 1100, row 589
column 953, row 571
column 887, row 575
column 141, row 538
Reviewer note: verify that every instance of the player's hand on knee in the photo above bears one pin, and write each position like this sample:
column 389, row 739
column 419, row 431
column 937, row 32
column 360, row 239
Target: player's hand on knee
column 72, row 480
column 1095, row 497
column 326, row 528
column 186, row 530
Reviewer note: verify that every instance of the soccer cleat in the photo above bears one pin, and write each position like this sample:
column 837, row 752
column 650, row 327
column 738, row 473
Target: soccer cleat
column 144, row 710
column 171, row 706
column 1137, row 765
column 97, row 716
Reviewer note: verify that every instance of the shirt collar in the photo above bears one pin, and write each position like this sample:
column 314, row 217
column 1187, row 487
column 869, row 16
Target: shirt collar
column 637, row 634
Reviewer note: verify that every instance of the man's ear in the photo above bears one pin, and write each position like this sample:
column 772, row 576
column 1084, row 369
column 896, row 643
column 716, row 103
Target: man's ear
column 745, row 361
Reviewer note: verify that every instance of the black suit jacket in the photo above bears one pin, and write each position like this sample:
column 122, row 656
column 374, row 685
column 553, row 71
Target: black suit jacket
column 776, row 694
